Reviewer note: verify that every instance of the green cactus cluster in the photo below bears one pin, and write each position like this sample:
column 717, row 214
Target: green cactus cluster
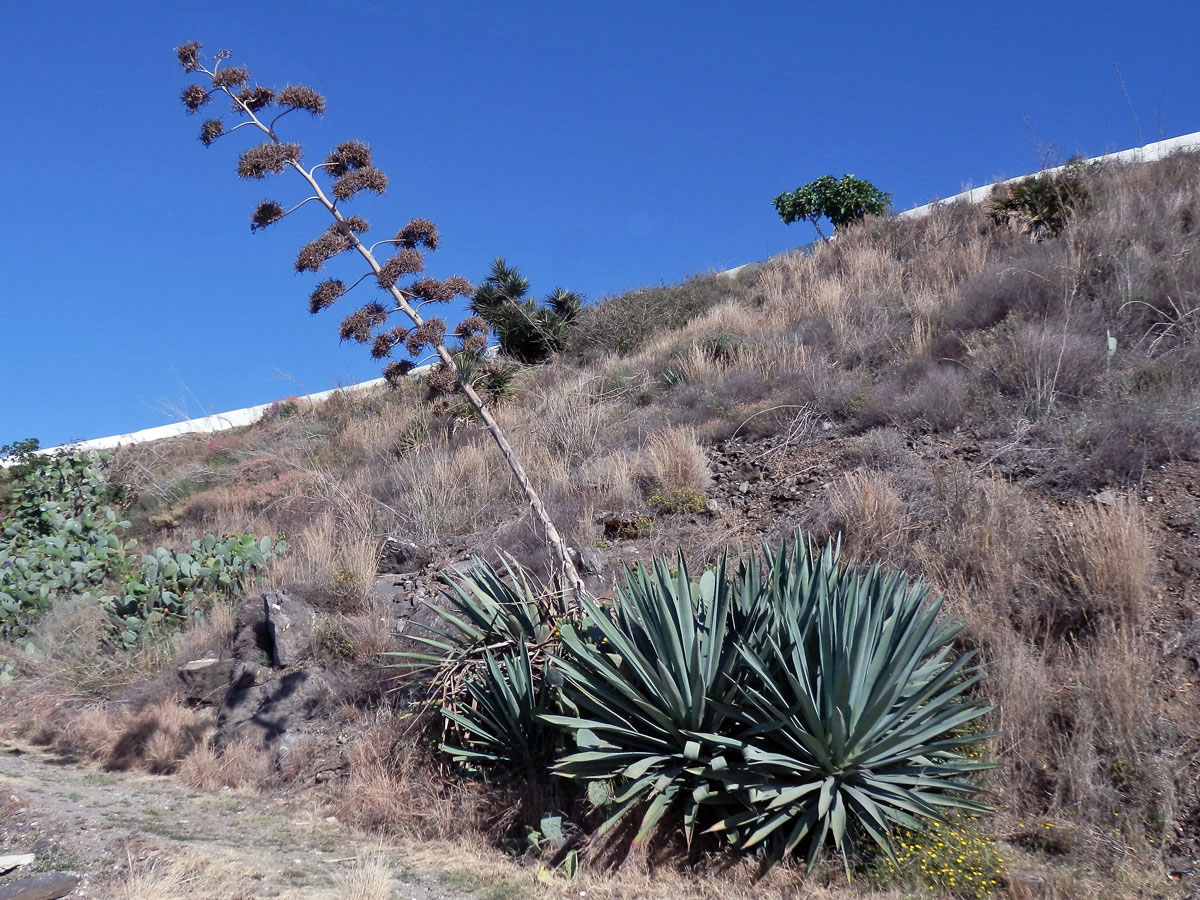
column 63, row 538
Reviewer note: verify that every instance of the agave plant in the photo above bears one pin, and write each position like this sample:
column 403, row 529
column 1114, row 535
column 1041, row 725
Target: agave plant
column 797, row 700
column 499, row 727
column 486, row 610
column 492, row 638
column 651, row 680
column 853, row 720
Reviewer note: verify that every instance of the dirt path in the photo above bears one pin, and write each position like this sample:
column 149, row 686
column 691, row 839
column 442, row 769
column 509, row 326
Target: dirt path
column 113, row 828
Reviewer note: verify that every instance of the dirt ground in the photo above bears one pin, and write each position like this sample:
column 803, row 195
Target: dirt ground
column 118, row 831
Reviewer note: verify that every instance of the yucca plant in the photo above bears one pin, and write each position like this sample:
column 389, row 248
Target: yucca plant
column 853, row 720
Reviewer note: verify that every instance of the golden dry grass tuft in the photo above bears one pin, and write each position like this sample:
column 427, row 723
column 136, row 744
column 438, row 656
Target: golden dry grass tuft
column 679, row 461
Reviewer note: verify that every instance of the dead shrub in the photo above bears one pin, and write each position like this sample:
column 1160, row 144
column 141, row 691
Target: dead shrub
column 392, row 789
column 158, row 737
column 242, row 763
column 1042, row 365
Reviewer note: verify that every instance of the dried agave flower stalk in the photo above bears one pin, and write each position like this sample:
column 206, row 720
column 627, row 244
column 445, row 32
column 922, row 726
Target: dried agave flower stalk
column 350, row 169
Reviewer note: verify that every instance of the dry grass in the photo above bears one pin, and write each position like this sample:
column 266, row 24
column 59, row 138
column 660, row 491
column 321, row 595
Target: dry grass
column 868, row 512
column 679, row 461
column 370, row 878
column 244, row 763
column 1105, row 561
column 393, row 790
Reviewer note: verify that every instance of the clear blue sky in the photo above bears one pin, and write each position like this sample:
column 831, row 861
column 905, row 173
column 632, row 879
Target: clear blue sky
column 600, row 146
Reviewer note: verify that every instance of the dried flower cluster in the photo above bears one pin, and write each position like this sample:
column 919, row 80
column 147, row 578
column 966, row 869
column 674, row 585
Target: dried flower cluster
column 234, row 76
column 405, row 262
column 336, row 239
column 326, row 294
column 365, row 179
column 189, row 55
column 211, row 130
column 348, row 157
column 395, row 372
column 418, row 232
column 265, row 214
column 299, row 96
column 258, row 162
column 194, row 97
column 359, row 326
column 253, row 99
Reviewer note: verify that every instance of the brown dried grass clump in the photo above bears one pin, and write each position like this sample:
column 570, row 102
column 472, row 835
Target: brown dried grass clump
column 1104, row 562
column 244, row 763
column 869, row 513
column 679, row 461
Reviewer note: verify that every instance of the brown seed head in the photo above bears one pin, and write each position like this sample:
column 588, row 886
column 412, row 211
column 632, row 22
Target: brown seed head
column 266, row 213
column 233, row 76
column 474, row 343
column 358, row 326
column 472, row 325
column 189, row 55
column 365, row 179
column 460, row 286
column 348, row 157
column 194, row 97
column 315, row 254
column 210, row 131
column 441, row 378
column 253, row 98
column 418, row 231
column 429, row 289
column 355, row 224
column 258, row 161
column 301, row 97
column 385, row 342
column 406, row 262
column 325, row 294
column 394, row 372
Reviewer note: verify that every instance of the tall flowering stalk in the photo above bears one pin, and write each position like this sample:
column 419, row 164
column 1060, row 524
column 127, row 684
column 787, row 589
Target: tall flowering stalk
column 349, row 171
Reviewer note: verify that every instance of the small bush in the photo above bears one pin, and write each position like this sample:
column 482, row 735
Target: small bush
column 1040, row 206
column 680, row 501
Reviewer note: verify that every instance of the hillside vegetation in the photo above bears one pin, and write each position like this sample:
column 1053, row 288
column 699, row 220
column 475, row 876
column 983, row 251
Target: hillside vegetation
column 1000, row 399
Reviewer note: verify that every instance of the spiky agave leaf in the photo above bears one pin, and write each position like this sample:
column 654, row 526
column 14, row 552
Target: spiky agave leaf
column 485, row 608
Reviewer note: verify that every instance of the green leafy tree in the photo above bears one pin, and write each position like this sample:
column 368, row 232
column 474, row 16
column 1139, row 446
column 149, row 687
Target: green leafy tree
column 528, row 331
column 841, row 201
column 348, row 172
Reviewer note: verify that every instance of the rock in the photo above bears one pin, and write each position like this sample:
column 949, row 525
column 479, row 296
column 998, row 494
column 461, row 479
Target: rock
column 401, row 557
column 43, row 886
column 715, row 506
column 206, row 680
column 265, row 712
column 743, row 487
column 290, row 624
column 15, row 860
column 592, row 561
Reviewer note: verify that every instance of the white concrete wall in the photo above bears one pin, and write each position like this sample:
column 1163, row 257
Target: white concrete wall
column 251, row 414
column 1148, row 153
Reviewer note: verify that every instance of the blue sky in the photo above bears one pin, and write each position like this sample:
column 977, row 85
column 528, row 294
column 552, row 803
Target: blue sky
column 600, row 146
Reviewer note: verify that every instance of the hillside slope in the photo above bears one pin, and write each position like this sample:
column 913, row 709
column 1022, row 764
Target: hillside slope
column 1007, row 408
